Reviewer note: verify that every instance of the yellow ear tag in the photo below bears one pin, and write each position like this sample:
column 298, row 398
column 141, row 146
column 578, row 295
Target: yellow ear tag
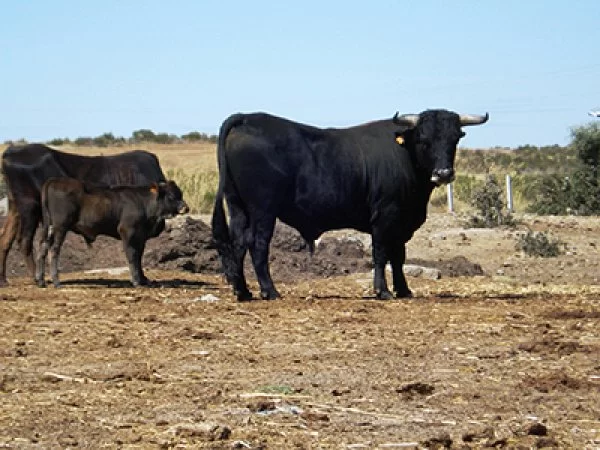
column 400, row 140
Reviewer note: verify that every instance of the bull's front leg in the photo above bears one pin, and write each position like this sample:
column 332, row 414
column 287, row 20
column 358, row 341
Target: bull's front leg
column 398, row 257
column 380, row 260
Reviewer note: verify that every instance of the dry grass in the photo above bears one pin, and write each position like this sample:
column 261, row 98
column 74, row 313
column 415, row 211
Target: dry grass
column 189, row 157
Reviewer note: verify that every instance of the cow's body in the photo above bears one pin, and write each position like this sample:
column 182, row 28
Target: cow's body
column 131, row 214
column 27, row 167
column 376, row 178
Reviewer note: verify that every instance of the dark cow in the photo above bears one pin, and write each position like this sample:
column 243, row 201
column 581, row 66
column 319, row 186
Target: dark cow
column 131, row 214
column 27, row 167
column 376, row 178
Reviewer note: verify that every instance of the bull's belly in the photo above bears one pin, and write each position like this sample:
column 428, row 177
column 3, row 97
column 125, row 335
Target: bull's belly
column 312, row 226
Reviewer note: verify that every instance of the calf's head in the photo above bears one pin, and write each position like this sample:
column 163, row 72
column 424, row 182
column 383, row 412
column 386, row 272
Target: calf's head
column 169, row 199
column 433, row 136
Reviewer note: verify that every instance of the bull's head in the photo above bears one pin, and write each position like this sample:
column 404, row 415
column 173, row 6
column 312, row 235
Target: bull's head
column 433, row 135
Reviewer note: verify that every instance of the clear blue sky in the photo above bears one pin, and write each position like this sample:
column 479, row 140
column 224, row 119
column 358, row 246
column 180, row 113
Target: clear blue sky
column 82, row 68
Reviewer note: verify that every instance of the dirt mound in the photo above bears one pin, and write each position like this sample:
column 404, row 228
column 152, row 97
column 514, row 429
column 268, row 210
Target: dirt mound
column 186, row 245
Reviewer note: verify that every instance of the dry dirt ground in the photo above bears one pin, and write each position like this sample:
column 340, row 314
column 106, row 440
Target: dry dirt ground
column 502, row 351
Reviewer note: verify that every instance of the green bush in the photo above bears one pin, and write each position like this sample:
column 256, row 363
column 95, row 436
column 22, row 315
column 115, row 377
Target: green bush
column 489, row 205
column 579, row 191
column 538, row 244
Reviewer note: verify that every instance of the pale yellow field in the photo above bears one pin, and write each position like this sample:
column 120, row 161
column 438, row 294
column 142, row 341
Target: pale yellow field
column 189, row 157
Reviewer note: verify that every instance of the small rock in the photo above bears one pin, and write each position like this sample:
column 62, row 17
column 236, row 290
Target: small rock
column 207, row 430
column 538, row 429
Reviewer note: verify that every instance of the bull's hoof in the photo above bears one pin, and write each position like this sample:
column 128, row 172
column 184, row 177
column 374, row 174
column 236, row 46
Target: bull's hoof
column 57, row 284
column 384, row 295
column 404, row 294
column 270, row 294
column 243, row 296
column 41, row 283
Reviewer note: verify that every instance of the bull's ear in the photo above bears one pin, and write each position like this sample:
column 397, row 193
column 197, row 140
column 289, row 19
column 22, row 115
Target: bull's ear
column 154, row 188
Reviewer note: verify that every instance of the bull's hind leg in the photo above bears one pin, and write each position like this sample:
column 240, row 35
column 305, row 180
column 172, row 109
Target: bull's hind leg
column 259, row 250
column 7, row 237
column 239, row 230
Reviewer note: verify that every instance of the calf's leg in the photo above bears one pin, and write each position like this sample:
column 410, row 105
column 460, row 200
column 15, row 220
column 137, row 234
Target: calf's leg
column 59, row 238
column 46, row 241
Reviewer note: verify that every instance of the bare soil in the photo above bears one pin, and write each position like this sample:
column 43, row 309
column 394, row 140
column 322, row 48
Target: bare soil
column 502, row 351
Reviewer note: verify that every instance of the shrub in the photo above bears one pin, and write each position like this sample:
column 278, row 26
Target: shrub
column 579, row 192
column 538, row 244
column 488, row 202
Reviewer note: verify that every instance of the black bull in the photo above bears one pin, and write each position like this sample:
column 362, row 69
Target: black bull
column 27, row 167
column 376, row 178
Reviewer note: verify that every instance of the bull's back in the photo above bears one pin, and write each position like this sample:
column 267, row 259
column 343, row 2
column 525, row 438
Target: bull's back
column 311, row 178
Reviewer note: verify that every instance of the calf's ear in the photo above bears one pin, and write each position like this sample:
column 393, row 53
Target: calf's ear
column 154, row 188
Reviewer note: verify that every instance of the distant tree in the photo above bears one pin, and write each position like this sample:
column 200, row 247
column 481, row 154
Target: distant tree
column 106, row 139
column 193, row 136
column 164, row 138
column 143, row 135
column 84, row 141
column 59, row 141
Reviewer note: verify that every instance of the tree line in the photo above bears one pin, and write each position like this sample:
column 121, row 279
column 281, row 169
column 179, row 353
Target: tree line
column 138, row 136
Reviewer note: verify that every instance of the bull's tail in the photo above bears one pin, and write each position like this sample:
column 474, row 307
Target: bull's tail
column 220, row 228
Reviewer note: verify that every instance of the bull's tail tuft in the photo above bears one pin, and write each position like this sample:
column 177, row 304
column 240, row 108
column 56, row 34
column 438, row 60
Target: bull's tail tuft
column 221, row 239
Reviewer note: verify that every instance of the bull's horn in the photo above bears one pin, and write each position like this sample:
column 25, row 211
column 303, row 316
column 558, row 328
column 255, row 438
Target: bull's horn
column 408, row 120
column 473, row 119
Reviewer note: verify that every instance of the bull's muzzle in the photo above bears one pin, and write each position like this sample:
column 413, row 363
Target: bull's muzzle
column 442, row 176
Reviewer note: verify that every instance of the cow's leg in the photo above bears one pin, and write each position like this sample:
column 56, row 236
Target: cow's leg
column 259, row 250
column 380, row 260
column 29, row 223
column 7, row 237
column 59, row 237
column 238, row 229
column 398, row 257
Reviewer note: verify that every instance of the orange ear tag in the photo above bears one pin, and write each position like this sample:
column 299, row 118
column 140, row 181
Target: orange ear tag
column 400, row 140
column 154, row 189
